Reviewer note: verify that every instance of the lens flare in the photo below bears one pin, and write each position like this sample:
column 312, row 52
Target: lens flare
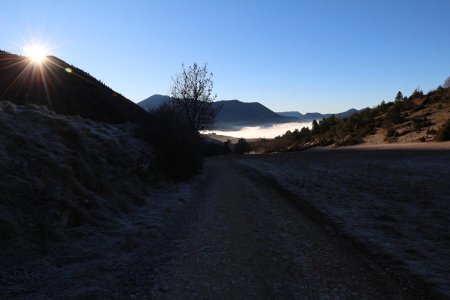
column 37, row 53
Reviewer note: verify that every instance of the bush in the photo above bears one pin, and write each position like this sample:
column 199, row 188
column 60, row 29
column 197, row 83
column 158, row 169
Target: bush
column 393, row 115
column 390, row 132
column 444, row 133
column 242, row 146
column 177, row 148
column 418, row 123
column 432, row 131
column 352, row 140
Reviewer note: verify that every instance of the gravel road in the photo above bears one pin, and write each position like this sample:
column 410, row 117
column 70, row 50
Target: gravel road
column 252, row 243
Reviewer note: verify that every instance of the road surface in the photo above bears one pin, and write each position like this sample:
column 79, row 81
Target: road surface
column 253, row 243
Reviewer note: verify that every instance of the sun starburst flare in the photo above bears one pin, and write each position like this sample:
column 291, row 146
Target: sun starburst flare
column 37, row 53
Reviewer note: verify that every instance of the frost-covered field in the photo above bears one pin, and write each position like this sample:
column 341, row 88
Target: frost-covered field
column 397, row 202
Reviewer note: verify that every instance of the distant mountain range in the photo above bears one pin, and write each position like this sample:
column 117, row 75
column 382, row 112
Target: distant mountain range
column 64, row 89
column 236, row 114
column 309, row 117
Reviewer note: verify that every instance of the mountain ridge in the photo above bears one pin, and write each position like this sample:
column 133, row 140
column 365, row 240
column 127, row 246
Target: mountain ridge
column 236, row 113
column 311, row 116
column 233, row 113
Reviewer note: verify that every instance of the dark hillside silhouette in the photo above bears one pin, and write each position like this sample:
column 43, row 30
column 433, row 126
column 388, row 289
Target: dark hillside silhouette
column 64, row 89
column 235, row 112
column 154, row 102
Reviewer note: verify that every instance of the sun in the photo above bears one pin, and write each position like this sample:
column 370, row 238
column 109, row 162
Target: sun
column 37, row 53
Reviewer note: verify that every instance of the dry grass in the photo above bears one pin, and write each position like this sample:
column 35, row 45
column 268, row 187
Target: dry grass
column 436, row 114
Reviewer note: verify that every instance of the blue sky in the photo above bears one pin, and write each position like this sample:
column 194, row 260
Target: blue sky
column 316, row 55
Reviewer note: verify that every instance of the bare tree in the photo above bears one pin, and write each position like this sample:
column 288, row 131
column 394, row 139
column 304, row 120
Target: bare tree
column 447, row 83
column 191, row 94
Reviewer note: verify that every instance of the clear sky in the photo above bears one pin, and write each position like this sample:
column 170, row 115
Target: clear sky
column 315, row 55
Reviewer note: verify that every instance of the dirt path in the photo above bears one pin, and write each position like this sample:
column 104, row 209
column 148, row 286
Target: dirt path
column 226, row 234
column 251, row 243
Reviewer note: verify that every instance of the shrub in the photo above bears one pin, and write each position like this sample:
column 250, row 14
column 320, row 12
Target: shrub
column 393, row 115
column 419, row 122
column 352, row 140
column 177, row 148
column 444, row 133
column 390, row 132
column 432, row 131
column 416, row 94
column 242, row 146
